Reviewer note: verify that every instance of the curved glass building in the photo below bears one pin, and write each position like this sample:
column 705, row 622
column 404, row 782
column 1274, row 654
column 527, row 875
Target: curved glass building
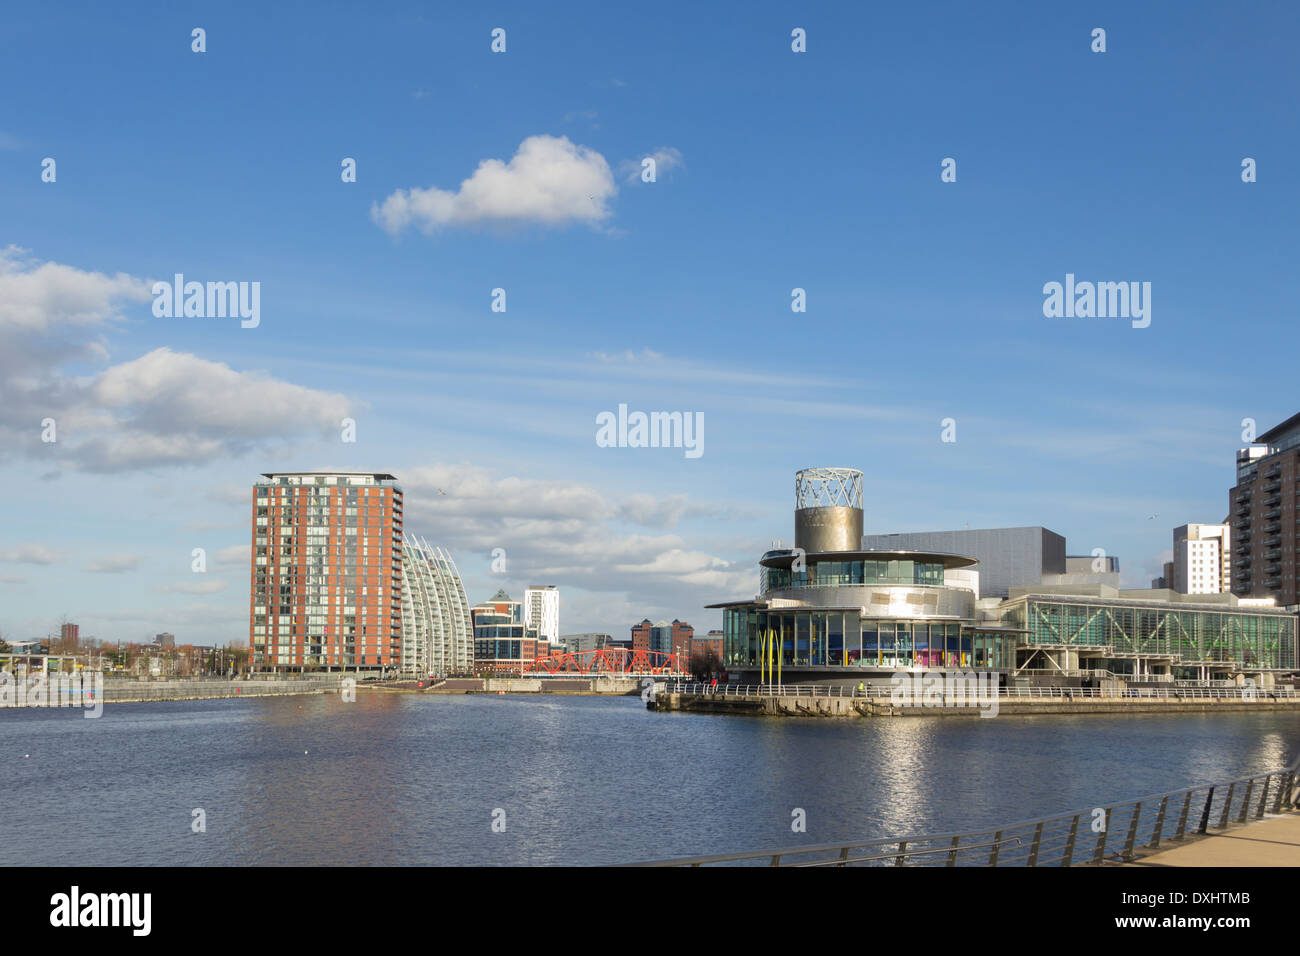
column 828, row 609
column 436, row 634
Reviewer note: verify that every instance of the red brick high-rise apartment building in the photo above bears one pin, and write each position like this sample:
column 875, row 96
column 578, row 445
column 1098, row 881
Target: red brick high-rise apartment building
column 326, row 590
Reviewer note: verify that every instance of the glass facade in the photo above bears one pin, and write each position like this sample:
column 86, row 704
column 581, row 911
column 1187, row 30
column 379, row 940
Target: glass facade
column 813, row 637
column 840, row 573
column 1234, row 635
column 493, row 648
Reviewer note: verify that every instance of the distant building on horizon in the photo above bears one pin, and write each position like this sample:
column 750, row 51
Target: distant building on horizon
column 164, row 640
column 586, row 641
column 69, row 634
column 680, row 637
column 641, row 635
column 504, row 642
column 542, row 612
column 703, row 646
column 1202, row 559
column 663, row 637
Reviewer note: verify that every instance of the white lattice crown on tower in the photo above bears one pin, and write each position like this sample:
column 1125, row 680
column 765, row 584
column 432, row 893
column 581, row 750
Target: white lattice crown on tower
column 828, row 488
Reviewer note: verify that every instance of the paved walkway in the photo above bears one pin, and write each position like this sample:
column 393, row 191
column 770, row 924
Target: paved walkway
column 1272, row 842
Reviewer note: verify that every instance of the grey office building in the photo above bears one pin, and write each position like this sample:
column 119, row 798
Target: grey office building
column 1008, row 557
column 587, row 641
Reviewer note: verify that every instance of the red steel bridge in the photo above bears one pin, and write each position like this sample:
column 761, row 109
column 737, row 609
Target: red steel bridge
column 615, row 661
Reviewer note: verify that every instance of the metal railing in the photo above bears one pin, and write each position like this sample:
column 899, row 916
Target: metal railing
column 1081, row 672
column 765, row 690
column 1118, row 833
column 876, row 691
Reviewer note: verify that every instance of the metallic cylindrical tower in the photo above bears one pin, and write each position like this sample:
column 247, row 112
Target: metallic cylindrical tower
column 828, row 509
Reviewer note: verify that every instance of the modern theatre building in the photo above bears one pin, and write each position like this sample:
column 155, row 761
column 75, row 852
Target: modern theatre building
column 828, row 609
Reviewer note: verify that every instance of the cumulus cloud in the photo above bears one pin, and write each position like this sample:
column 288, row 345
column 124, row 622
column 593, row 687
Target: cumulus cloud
column 175, row 408
column 114, row 563
column 51, row 313
column 695, row 568
column 550, row 181
column 570, row 534
column 653, row 511
column 163, row 408
column 29, row 553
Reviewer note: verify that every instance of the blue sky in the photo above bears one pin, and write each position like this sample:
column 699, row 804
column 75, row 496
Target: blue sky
column 817, row 170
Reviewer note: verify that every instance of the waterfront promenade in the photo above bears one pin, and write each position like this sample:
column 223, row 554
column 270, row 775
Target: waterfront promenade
column 1272, row 842
column 139, row 691
column 126, row 691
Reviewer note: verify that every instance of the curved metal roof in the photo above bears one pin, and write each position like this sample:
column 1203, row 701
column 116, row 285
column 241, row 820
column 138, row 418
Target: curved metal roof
column 785, row 557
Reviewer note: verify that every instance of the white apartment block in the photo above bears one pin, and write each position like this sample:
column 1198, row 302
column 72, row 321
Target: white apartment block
column 542, row 612
column 1202, row 559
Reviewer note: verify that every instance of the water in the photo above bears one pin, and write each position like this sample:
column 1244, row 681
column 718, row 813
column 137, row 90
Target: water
column 400, row 779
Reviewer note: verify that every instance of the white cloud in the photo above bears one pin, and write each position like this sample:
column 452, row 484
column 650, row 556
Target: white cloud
column 51, row 314
column 175, row 408
column 550, row 181
column 163, row 408
column 567, row 533
column 114, row 563
column 29, row 553
column 652, row 511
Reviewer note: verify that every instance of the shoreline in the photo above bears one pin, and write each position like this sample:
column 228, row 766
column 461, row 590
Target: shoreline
column 145, row 692
column 859, row 707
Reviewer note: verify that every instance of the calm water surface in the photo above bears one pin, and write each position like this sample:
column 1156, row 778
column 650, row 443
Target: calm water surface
column 399, row 779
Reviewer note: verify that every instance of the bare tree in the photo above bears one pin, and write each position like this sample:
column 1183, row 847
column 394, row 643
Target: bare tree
column 704, row 664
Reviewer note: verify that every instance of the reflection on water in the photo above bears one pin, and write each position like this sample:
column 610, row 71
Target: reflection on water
column 416, row 780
